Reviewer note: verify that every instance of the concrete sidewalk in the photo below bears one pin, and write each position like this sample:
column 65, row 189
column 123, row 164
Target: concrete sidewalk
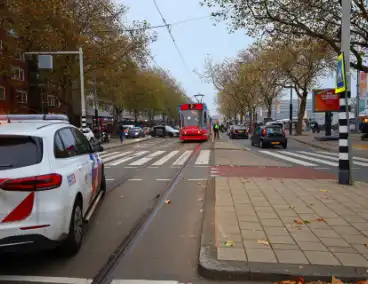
column 114, row 143
column 278, row 229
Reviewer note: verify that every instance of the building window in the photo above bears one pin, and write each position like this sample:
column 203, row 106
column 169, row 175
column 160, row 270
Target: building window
column 1, row 45
column 101, row 106
column 90, row 103
column 53, row 101
column 18, row 74
column 107, row 107
column 21, row 97
column 20, row 55
column 2, row 93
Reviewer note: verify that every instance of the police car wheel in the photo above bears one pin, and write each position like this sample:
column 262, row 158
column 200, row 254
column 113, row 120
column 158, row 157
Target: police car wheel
column 72, row 244
column 103, row 184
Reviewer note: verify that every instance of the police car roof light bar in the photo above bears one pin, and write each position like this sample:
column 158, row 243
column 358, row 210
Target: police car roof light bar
column 38, row 117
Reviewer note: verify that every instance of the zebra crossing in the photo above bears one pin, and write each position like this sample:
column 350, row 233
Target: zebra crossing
column 313, row 159
column 154, row 159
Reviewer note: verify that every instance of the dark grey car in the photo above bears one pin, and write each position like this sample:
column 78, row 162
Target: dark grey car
column 136, row 132
column 270, row 135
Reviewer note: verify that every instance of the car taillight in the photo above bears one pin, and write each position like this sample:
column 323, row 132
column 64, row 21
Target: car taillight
column 125, row 131
column 199, row 132
column 37, row 183
column 264, row 132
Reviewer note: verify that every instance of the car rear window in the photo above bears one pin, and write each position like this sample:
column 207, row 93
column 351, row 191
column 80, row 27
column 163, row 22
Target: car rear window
column 20, row 151
column 274, row 130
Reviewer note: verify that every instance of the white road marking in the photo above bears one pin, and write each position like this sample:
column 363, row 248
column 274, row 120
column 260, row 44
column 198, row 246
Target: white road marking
column 197, row 179
column 163, row 179
column 321, row 168
column 109, row 179
column 336, row 155
column 203, row 157
column 164, row 159
column 116, row 156
column 332, row 158
column 201, row 166
column 140, row 153
column 147, row 159
column 135, row 179
column 41, row 279
column 289, row 159
column 182, row 159
column 334, row 164
column 130, row 167
column 105, row 155
column 152, row 167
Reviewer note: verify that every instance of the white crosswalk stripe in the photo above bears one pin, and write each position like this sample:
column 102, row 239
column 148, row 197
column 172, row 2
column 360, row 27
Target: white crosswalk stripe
column 153, row 159
column 313, row 159
column 165, row 158
column 203, row 158
column 147, row 159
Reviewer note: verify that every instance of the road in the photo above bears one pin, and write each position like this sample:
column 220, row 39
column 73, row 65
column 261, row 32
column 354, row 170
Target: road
column 134, row 234
column 299, row 154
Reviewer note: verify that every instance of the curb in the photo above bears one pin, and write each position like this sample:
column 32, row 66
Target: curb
column 313, row 145
column 135, row 142
column 212, row 268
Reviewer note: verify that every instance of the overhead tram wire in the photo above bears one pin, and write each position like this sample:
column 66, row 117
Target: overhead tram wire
column 172, row 37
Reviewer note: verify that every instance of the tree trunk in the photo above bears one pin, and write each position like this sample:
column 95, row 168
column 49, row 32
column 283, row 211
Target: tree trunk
column 136, row 116
column 303, row 103
column 241, row 116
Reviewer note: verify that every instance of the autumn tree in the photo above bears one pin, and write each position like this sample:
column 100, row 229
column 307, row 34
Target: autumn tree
column 320, row 20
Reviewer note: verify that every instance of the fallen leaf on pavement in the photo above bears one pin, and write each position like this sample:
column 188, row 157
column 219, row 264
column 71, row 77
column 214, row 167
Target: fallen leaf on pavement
column 231, row 166
column 291, row 207
column 229, row 243
column 323, row 190
column 307, row 222
column 201, row 210
column 167, row 201
column 266, row 243
column 321, row 220
column 300, row 280
column 297, row 227
column 336, row 281
column 298, row 222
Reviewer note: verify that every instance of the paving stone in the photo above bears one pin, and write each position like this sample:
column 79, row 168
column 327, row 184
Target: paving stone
column 312, row 246
column 334, row 242
column 253, row 235
column 280, row 239
column 241, row 200
column 276, row 231
column 342, row 249
column 248, row 218
column 303, row 210
column 265, row 209
column 321, row 233
column 337, row 222
column 286, row 213
column 350, row 259
column 231, row 254
column 321, row 258
column 365, row 233
column 246, row 212
column 230, row 229
column 285, row 256
column 319, row 225
column 272, row 222
column 355, row 239
column 304, row 236
column 229, row 237
column 261, row 255
column 225, row 208
column 361, row 248
column 253, row 244
column 354, row 219
column 285, row 247
column 309, row 217
column 345, row 230
column 250, row 226
column 360, row 226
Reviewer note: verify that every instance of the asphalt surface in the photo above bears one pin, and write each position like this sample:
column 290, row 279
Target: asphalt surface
column 299, row 154
column 168, row 245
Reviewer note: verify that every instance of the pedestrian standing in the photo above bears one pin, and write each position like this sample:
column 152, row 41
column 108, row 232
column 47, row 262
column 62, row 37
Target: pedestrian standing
column 216, row 131
column 121, row 133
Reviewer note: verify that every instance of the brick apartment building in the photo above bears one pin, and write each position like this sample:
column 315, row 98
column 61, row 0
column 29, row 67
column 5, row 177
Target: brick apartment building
column 18, row 92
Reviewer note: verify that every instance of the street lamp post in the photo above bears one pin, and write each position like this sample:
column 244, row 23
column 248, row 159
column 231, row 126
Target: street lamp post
column 291, row 111
column 81, row 67
column 199, row 98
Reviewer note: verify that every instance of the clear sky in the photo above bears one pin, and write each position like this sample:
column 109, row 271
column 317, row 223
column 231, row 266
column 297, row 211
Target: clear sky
column 196, row 40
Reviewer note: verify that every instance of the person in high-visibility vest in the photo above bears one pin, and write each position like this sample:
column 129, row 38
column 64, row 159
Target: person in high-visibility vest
column 216, row 130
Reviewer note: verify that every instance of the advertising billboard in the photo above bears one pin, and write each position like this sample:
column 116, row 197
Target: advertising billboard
column 325, row 100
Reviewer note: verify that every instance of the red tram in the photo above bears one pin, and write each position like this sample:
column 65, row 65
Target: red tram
column 195, row 122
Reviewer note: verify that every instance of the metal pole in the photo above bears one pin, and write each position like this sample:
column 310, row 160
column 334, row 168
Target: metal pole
column 357, row 102
column 83, row 99
column 291, row 112
column 345, row 159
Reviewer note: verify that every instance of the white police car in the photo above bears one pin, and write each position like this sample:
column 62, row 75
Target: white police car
column 51, row 180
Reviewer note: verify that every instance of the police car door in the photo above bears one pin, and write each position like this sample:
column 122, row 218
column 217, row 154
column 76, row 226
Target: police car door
column 92, row 165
